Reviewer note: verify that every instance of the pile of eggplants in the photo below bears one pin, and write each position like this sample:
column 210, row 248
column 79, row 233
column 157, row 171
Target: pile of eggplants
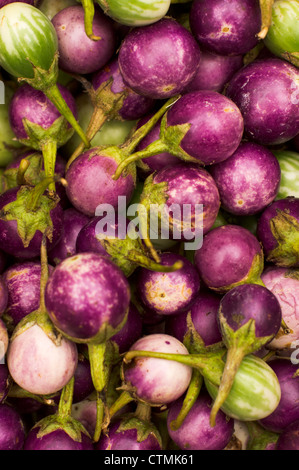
column 149, row 225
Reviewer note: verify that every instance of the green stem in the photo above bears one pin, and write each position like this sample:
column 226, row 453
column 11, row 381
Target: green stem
column 66, row 399
column 124, row 399
column 142, row 260
column 266, row 13
column 143, row 411
column 259, row 282
column 189, row 399
column 37, row 192
column 54, row 95
column 44, row 271
column 100, row 418
column 89, row 10
column 152, row 149
column 23, row 167
column 234, row 358
column 49, row 151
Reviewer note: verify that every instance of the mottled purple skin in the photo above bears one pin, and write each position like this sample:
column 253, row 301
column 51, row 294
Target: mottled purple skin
column 90, row 183
column 125, row 440
column 155, row 162
column 249, row 180
column 5, row 382
column 282, row 282
column 55, row 440
column 204, row 312
column 3, row 295
column 289, row 438
column 266, row 93
column 10, row 241
column 159, row 60
column 227, row 27
column 196, row 433
column 134, row 105
column 77, row 52
column 12, row 429
column 289, row 206
column 32, row 104
column 287, row 410
column 169, row 293
column 85, row 295
column 158, row 381
column 214, row 72
column 37, row 364
column 251, row 302
column 73, row 222
column 216, row 125
column 4, row 339
column 190, row 184
column 226, row 256
column 23, row 285
column 87, row 240
column 130, row 332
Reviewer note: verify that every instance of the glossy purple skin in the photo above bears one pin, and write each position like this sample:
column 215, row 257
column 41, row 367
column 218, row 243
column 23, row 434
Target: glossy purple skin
column 216, row 125
column 283, row 284
column 3, row 295
column 87, row 240
column 158, row 381
column 214, row 72
column 56, row 440
column 204, row 312
column 195, row 433
column 125, row 440
column 249, row 180
column 23, row 284
column 77, row 52
column 5, row 382
column 159, row 60
column 190, row 184
column 169, row 293
column 159, row 161
column 290, row 206
column 134, row 105
column 32, row 104
column 228, row 27
column 10, row 241
column 251, row 302
column 90, row 183
column 73, row 222
column 12, row 430
column 289, row 438
column 130, row 332
column 86, row 293
column 287, row 410
column 266, row 93
column 226, row 256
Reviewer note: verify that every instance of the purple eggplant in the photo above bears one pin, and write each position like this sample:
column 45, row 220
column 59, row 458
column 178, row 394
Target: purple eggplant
column 249, row 180
column 287, row 410
column 204, row 312
column 78, row 54
column 230, row 255
column 278, row 232
column 6, row 2
column 249, row 317
column 153, row 380
column 23, row 284
column 59, row 431
column 73, row 222
column 271, row 117
column 130, row 332
column 18, row 208
column 202, row 127
column 284, row 284
column 158, row 60
column 169, row 293
column 288, row 439
column 196, row 433
column 12, row 428
column 214, row 72
column 226, row 28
